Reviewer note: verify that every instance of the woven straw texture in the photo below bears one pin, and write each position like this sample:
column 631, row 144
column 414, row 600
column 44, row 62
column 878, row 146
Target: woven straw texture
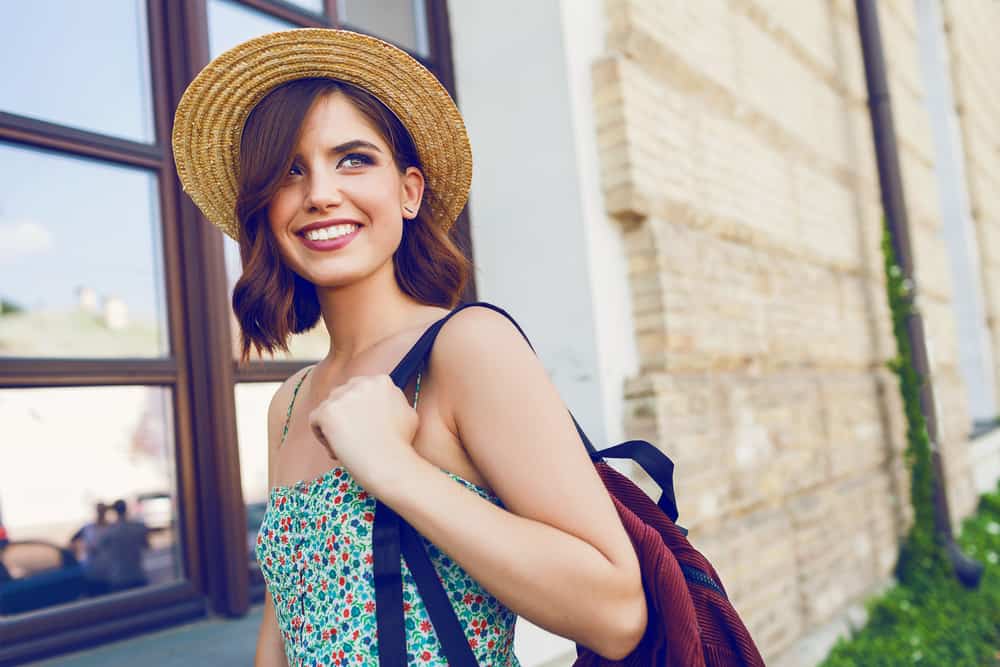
column 209, row 120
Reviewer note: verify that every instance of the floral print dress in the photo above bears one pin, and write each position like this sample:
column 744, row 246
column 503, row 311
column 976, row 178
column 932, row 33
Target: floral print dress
column 314, row 547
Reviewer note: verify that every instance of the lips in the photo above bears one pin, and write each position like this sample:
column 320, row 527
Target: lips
column 329, row 244
column 327, row 223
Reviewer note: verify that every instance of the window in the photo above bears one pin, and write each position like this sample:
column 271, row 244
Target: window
column 118, row 379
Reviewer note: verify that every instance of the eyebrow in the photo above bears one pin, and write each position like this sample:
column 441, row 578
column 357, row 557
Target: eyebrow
column 353, row 144
column 348, row 146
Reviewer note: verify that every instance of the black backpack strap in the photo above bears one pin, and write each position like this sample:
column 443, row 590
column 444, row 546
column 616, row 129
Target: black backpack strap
column 446, row 624
column 656, row 464
column 388, row 587
column 390, row 527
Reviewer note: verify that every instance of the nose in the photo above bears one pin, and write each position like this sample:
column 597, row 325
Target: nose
column 323, row 191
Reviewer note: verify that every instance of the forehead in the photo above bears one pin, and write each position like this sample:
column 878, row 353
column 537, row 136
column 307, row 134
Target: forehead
column 333, row 119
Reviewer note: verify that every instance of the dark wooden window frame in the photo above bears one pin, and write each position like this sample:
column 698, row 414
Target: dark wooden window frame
column 199, row 369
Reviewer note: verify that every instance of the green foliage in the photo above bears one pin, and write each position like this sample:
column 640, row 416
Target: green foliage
column 922, row 557
column 928, row 618
column 941, row 622
column 8, row 307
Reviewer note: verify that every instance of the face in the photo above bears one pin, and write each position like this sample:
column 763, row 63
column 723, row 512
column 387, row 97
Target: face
column 338, row 215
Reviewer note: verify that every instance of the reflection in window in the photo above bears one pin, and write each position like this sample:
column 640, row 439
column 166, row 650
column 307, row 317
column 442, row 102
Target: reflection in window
column 252, row 400
column 230, row 24
column 81, row 64
column 314, row 6
column 86, row 494
column 402, row 22
column 80, row 258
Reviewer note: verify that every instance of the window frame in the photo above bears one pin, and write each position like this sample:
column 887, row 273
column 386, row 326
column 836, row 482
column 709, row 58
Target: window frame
column 199, row 371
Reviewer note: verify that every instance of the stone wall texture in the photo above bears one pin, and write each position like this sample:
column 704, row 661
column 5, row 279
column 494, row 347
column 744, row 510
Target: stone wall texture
column 737, row 153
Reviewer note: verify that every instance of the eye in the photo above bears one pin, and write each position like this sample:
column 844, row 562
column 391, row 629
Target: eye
column 358, row 160
column 295, row 170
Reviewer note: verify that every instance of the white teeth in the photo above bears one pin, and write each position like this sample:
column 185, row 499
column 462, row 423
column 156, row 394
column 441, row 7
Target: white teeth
column 327, row 233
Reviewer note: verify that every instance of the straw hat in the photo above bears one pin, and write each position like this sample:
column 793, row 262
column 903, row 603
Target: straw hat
column 209, row 120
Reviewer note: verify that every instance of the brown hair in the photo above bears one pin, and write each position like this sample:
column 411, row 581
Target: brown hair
column 271, row 301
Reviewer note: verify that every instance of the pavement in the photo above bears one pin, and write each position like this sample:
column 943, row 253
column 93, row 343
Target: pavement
column 211, row 641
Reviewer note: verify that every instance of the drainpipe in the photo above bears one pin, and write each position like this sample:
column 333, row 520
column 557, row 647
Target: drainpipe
column 966, row 569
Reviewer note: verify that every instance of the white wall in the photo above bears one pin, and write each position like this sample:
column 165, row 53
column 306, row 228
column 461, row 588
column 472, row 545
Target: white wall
column 543, row 248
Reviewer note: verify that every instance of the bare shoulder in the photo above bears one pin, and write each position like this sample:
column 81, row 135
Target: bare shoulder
column 472, row 346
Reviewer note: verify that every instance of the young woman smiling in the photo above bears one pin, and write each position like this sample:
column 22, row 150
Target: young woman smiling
column 339, row 164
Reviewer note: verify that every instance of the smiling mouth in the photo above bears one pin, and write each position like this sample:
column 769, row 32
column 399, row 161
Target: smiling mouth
column 330, row 233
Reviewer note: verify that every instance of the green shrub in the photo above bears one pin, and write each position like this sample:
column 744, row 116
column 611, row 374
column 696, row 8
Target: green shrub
column 939, row 622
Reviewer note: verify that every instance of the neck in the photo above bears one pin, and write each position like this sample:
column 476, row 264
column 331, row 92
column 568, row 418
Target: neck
column 364, row 313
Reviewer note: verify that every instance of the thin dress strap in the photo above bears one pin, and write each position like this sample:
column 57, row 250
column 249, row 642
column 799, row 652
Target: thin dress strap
column 295, row 392
column 288, row 417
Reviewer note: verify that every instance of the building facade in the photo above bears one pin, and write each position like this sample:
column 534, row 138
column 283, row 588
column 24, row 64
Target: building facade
column 678, row 201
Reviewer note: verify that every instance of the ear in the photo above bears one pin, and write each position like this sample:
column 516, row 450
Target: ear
column 411, row 191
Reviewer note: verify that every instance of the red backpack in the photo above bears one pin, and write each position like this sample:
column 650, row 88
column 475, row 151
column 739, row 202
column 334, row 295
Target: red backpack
column 691, row 622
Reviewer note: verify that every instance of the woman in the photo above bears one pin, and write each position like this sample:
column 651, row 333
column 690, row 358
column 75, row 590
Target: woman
column 339, row 164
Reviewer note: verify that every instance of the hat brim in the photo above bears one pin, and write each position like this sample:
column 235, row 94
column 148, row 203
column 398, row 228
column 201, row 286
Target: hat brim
column 208, row 123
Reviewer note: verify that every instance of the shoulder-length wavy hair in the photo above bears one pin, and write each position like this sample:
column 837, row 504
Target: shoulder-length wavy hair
column 271, row 301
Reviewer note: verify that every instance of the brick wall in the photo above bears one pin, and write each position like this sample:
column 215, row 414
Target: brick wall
column 736, row 151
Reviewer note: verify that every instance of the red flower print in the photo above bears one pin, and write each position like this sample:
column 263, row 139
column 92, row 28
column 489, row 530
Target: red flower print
column 345, row 557
column 473, row 642
column 338, row 472
column 309, row 588
column 281, row 559
column 479, row 599
column 475, row 622
column 309, row 628
column 355, row 635
column 490, row 644
column 406, row 606
column 369, row 607
column 468, row 598
column 342, row 581
column 303, row 523
column 259, row 540
column 296, row 622
column 369, row 559
column 363, row 495
column 425, row 656
column 347, row 613
column 343, row 487
column 369, row 517
column 268, row 561
column 425, row 626
column 284, row 539
column 326, row 585
column 316, row 558
column 336, row 501
column 349, row 598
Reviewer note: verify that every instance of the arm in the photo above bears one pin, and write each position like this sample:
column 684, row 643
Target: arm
column 270, row 646
column 558, row 555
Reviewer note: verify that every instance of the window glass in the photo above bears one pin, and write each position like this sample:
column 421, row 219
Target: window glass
column 402, row 22
column 65, row 453
column 314, row 6
column 252, row 400
column 230, row 24
column 80, row 258
column 81, row 64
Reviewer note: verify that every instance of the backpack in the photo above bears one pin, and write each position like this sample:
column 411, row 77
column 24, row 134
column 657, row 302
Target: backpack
column 691, row 622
